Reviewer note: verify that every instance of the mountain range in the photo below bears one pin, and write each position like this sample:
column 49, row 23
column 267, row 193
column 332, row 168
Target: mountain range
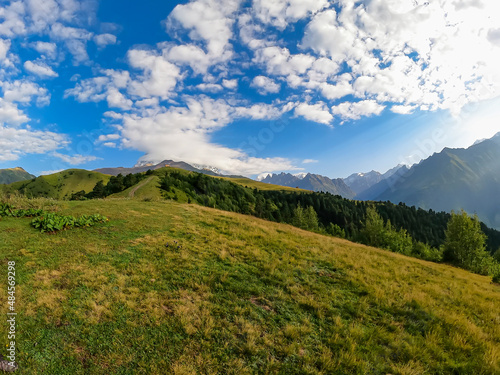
column 453, row 179
column 309, row 181
column 145, row 166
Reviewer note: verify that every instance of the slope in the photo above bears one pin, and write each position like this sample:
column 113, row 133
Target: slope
column 455, row 179
column 179, row 289
column 10, row 175
column 58, row 185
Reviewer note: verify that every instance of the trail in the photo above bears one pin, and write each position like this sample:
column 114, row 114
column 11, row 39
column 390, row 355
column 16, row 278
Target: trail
column 132, row 192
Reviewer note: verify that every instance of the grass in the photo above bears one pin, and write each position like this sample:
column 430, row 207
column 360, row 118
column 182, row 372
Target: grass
column 171, row 288
column 146, row 189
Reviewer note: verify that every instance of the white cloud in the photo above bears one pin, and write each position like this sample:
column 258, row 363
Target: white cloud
column 75, row 40
column 265, row 85
column 109, row 144
column 4, row 48
column 356, row 110
column 15, row 142
column 209, row 21
column 279, row 61
column 309, row 161
column 209, row 87
column 280, row 12
column 403, row 109
column 40, row 69
column 314, row 112
column 108, row 137
column 160, row 76
column 191, row 55
column 13, row 19
column 24, row 92
column 116, row 99
column 103, row 40
column 183, row 133
column 75, row 159
column 46, row 49
column 230, row 83
column 10, row 114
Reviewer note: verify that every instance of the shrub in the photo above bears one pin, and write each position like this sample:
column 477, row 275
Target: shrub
column 51, row 222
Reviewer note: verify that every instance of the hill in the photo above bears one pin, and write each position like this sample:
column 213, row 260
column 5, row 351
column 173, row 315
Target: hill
column 170, row 288
column 454, row 179
column 58, row 185
column 313, row 182
column 10, row 175
column 151, row 166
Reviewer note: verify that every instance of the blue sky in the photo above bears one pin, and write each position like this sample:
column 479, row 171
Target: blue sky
column 249, row 87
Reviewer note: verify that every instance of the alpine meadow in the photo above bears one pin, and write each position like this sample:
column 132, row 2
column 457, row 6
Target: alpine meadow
column 250, row 187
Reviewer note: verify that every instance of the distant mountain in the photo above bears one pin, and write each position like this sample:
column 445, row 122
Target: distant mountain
column 388, row 180
column 314, row 182
column 10, row 175
column 359, row 182
column 454, row 179
column 144, row 166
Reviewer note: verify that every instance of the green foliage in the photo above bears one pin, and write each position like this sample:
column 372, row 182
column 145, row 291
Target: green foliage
column 49, row 221
column 116, row 184
column 496, row 278
column 8, row 210
column 465, row 244
column 335, row 230
column 52, row 222
column 376, row 233
column 423, row 251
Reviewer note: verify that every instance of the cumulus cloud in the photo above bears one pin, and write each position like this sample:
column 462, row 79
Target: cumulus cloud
column 356, row 110
column 209, row 21
column 22, row 91
column 403, row 109
column 314, row 112
column 103, row 40
column 230, row 83
column 160, row 75
column 183, row 133
column 10, row 114
column 46, row 48
column 280, row 12
column 16, row 142
column 265, row 85
column 40, row 69
column 75, row 159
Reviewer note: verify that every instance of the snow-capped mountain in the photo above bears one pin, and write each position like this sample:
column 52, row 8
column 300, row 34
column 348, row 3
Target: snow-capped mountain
column 309, row 181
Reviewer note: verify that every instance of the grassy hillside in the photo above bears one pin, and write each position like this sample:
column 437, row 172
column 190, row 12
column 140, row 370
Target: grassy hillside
column 10, row 175
column 145, row 189
column 58, row 185
column 170, row 288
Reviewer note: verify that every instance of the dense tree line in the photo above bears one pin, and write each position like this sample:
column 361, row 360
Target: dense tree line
column 332, row 213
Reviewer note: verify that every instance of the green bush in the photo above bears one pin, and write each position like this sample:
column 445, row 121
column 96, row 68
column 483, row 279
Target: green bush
column 51, row 222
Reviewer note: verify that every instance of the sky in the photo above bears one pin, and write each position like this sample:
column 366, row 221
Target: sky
column 246, row 86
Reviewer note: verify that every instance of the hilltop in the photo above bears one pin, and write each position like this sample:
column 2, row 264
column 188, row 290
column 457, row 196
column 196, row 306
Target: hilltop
column 175, row 288
column 58, row 185
column 10, row 175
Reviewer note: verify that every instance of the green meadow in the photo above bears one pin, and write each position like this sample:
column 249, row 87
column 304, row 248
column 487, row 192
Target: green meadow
column 167, row 287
